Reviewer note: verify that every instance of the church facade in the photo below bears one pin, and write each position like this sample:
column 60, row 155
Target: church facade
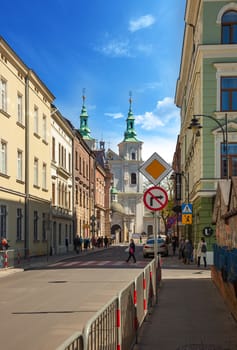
column 127, row 205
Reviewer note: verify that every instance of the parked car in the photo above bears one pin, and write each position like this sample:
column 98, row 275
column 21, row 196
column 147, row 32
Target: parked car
column 162, row 247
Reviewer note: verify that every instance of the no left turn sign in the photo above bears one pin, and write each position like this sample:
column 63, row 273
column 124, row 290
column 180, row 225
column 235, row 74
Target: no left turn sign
column 155, row 198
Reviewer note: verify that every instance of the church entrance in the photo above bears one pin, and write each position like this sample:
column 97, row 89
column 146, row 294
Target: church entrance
column 116, row 233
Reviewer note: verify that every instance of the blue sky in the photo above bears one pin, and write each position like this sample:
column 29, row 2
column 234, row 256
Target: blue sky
column 109, row 48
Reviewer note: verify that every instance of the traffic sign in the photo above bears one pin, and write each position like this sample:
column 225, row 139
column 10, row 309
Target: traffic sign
column 187, row 208
column 155, row 169
column 207, row 231
column 155, row 198
column 187, row 219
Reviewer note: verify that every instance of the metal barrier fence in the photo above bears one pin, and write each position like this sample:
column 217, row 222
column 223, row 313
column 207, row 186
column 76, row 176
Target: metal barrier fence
column 6, row 258
column 115, row 326
column 75, row 342
column 225, row 260
column 101, row 331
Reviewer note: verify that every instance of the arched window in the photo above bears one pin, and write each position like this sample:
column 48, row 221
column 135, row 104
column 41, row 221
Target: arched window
column 229, row 27
column 133, row 179
column 133, row 154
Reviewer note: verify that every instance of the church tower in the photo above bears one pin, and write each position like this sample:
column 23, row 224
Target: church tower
column 127, row 178
column 84, row 128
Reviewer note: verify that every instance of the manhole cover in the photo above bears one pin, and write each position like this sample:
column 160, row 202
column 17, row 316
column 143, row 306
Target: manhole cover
column 201, row 347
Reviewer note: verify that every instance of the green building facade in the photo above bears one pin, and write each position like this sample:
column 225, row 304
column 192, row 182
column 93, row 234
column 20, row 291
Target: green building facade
column 206, row 93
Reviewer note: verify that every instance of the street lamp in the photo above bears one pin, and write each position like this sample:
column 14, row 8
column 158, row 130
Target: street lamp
column 195, row 126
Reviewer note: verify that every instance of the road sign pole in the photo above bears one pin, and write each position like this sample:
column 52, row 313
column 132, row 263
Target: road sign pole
column 155, row 238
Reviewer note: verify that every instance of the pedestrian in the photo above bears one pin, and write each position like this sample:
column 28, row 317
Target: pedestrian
column 181, row 249
column 4, row 244
column 66, row 243
column 131, row 251
column 106, row 242
column 174, row 244
column 76, row 243
column 188, row 250
column 202, row 252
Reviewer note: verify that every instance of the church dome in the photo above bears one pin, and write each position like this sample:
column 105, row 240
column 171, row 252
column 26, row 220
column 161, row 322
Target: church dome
column 117, row 207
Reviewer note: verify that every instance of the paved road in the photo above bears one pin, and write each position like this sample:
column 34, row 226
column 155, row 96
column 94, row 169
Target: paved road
column 40, row 308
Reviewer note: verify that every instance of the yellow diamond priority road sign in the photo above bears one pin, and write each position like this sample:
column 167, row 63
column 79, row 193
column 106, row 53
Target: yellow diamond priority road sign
column 155, row 169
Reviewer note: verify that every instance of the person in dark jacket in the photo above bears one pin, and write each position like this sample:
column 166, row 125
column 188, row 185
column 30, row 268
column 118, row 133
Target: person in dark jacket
column 131, row 251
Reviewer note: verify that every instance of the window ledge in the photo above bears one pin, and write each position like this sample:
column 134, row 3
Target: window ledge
column 45, row 142
column 20, row 125
column 5, row 113
column 4, row 175
column 20, row 181
column 36, row 186
column 37, row 135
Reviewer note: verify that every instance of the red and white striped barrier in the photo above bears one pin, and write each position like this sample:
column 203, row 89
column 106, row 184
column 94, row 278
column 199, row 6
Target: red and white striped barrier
column 6, row 259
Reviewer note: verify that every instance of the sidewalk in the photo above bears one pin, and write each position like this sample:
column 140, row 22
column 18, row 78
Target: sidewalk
column 43, row 261
column 190, row 314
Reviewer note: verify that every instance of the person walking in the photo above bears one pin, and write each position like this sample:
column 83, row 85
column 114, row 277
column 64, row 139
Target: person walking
column 188, row 249
column 174, row 244
column 67, row 243
column 202, row 252
column 131, row 251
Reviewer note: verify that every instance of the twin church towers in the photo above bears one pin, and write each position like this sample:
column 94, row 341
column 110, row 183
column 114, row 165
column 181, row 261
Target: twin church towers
column 127, row 189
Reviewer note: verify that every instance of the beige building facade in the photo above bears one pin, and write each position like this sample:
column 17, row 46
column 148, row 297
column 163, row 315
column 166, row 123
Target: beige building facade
column 25, row 190
column 61, row 218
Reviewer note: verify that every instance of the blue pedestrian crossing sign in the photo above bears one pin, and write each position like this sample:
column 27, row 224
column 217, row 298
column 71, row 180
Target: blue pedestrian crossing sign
column 187, row 208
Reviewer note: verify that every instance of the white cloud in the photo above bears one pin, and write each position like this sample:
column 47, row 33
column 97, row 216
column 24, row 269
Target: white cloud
column 165, row 112
column 163, row 146
column 147, row 49
column 148, row 121
column 141, row 22
column 115, row 48
column 114, row 115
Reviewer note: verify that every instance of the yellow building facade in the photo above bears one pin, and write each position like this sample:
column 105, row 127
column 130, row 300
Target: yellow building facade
column 25, row 189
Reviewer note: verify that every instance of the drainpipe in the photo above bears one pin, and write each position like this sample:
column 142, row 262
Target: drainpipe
column 27, row 206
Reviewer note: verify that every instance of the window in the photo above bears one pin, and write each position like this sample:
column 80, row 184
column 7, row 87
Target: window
column 133, row 155
column 3, row 221
column 44, row 218
column 229, row 93
column 133, row 179
column 60, row 234
column 19, row 109
column 53, row 193
column 53, row 149
column 36, row 120
column 76, row 194
column 69, row 162
column 59, row 154
column 76, row 160
column 36, row 172
column 232, row 160
column 3, row 105
column 3, row 158
column 229, row 28
column 19, row 165
column 35, row 225
column 19, row 222
column 44, row 128
column 44, row 176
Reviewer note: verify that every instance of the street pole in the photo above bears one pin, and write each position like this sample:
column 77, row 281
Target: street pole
column 155, row 239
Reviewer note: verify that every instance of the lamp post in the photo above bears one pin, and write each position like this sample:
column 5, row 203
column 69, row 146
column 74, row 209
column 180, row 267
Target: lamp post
column 177, row 176
column 195, row 125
